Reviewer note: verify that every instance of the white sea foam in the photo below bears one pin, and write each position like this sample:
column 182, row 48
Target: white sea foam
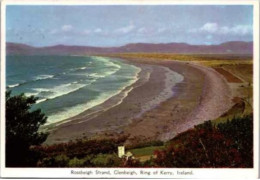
column 13, row 85
column 31, row 94
column 106, row 61
column 74, row 86
column 39, row 77
column 123, row 95
column 40, row 100
column 61, row 90
column 43, row 76
column 75, row 110
column 57, row 91
column 75, row 69
column 36, row 93
column 103, row 74
column 110, row 68
column 41, row 89
column 96, row 75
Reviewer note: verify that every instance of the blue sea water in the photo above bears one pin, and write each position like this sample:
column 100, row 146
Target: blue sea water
column 67, row 85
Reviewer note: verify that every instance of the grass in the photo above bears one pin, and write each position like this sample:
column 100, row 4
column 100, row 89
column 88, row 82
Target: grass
column 211, row 60
column 205, row 59
column 145, row 151
column 236, row 111
column 229, row 76
column 189, row 57
column 242, row 71
column 216, row 63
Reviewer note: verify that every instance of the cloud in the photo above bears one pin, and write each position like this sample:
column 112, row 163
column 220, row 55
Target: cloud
column 142, row 30
column 126, row 29
column 214, row 28
column 237, row 30
column 151, row 30
column 209, row 27
column 224, row 30
column 162, row 29
column 98, row 30
column 63, row 29
column 242, row 29
column 66, row 28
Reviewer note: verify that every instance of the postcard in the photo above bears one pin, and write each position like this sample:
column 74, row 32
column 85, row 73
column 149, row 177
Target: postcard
column 129, row 89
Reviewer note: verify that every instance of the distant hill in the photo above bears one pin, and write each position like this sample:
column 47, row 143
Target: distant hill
column 232, row 47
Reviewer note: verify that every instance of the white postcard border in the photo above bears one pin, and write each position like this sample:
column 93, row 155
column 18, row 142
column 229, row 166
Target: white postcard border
column 155, row 172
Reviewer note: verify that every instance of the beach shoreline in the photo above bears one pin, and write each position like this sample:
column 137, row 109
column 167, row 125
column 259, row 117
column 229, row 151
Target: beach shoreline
column 161, row 120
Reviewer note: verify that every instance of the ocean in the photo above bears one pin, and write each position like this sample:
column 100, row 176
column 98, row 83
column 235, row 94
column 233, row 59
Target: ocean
column 68, row 85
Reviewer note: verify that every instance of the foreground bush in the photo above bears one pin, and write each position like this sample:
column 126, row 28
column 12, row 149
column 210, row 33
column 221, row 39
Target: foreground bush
column 81, row 153
column 22, row 126
column 229, row 144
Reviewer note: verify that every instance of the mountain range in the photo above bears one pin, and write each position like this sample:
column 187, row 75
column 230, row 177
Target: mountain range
column 232, row 47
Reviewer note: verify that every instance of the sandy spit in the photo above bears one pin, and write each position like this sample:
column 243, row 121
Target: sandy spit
column 155, row 107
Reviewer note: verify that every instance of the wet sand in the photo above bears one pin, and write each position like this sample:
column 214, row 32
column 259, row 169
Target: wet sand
column 153, row 108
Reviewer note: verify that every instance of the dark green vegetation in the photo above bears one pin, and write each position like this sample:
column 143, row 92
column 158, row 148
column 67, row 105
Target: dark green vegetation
column 84, row 153
column 22, row 130
column 228, row 144
column 224, row 144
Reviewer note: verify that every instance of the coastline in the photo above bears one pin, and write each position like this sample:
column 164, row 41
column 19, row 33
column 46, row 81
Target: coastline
column 161, row 120
column 203, row 95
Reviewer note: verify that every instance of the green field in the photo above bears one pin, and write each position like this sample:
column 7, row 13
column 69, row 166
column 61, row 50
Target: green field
column 145, row 151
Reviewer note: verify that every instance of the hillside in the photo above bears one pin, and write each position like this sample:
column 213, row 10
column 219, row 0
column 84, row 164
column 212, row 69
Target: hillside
column 234, row 47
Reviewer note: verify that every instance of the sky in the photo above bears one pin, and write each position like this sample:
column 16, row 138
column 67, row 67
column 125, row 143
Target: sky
column 116, row 25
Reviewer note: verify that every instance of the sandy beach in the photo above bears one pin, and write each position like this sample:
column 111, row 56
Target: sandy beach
column 158, row 106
